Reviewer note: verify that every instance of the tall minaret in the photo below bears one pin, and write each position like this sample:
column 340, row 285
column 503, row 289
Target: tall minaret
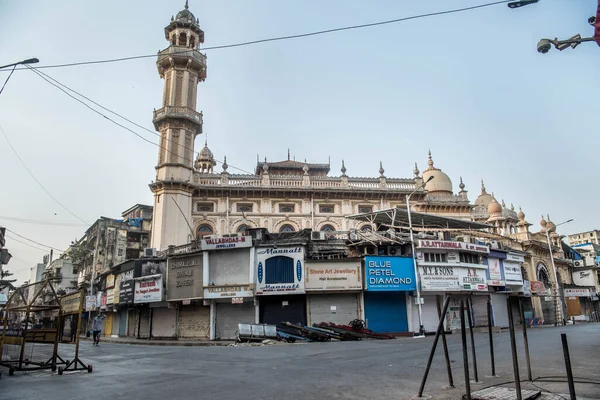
column 181, row 66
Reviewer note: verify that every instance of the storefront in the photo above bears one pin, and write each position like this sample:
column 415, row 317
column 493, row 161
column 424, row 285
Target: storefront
column 387, row 283
column 185, row 274
column 497, row 293
column 547, row 301
column 334, row 291
column 579, row 303
column 449, row 267
column 128, row 315
column 229, row 277
column 147, row 290
column 280, row 287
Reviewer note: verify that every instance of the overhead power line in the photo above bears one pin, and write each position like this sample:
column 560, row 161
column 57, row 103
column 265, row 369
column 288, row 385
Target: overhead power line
column 288, row 37
column 27, row 244
column 33, row 241
column 39, row 222
column 64, row 88
column 36, row 179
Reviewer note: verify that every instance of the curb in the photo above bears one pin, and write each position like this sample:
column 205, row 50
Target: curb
column 144, row 342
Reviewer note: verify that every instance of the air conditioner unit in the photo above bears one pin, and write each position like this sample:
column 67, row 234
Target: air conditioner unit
column 317, row 235
column 495, row 245
column 149, row 252
column 578, row 263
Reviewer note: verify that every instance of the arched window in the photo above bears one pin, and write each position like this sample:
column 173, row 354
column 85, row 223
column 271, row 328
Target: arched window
column 242, row 228
column 542, row 275
column 182, row 39
column 192, row 42
column 366, row 228
column 327, row 228
column 287, row 228
column 203, row 230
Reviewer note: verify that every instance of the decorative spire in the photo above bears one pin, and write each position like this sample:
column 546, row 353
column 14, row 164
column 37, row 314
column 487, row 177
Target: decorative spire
column 343, row 169
column 430, row 161
column 257, row 158
column 381, row 170
column 416, row 171
column 225, row 166
column 483, row 187
column 305, row 168
column 503, row 204
column 521, row 214
column 206, row 142
column 288, row 154
column 186, row 4
column 512, row 207
column 329, row 161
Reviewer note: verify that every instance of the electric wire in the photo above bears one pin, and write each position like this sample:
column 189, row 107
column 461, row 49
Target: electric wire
column 33, row 241
column 27, row 244
column 6, row 81
column 288, row 37
column 64, row 88
column 39, row 222
column 36, row 179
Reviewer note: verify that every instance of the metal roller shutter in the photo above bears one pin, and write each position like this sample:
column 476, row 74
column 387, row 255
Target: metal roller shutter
column 479, row 310
column 163, row 322
column 548, row 309
column 116, row 323
column 132, row 329
column 194, row 322
column 108, row 323
column 123, row 323
column 386, row 311
column 336, row 308
column 499, row 310
column 144, row 323
column 275, row 309
column 429, row 313
column 228, row 316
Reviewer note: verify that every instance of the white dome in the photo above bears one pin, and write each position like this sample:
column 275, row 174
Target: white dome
column 440, row 182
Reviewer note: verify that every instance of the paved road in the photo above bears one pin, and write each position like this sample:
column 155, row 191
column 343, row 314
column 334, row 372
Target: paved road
column 349, row 370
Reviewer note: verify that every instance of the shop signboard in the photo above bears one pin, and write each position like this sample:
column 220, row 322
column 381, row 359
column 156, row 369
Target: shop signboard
column 148, row 289
column 526, row 287
column 515, row 258
column 578, row 292
column 90, row 303
column 494, row 269
column 334, row 275
column 103, row 302
column 473, row 279
column 228, row 291
column 126, row 287
column 279, row 270
column 389, row 274
column 452, row 278
column 185, row 277
column 110, row 281
column 117, row 289
column 71, row 303
column 220, row 243
column 537, row 287
column 453, row 246
column 512, row 273
column 110, row 296
column 584, row 278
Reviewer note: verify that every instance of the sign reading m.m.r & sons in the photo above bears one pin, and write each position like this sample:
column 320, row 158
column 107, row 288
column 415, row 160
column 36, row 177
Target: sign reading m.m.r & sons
column 389, row 274
column 279, row 270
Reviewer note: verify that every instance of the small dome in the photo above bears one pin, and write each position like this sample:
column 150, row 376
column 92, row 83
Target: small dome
column 205, row 154
column 484, row 199
column 185, row 15
column 494, row 207
column 205, row 160
column 521, row 215
column 550, row 225
column 440, row 182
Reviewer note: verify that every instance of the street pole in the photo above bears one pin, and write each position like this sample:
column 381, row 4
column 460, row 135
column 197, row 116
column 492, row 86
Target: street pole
column 14, row 65
column 414, row 257
column 556, row 287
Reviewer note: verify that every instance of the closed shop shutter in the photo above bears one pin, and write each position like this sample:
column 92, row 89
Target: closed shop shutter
column 428, row 312
column 275, row 309
column 144, row 323
column 386, row 311
column 499, row 310
column 194, row 322
column 123, row 322
column 337, row 308
column 479, row 304
column 116, row 323
column 132, row 328
column 163, row 322
column 573, row 306
column 228, row 316
column 108, row 324
column 548, row 309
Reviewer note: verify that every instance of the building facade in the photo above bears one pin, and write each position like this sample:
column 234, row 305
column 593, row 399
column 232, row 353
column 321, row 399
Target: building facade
column 585, row 237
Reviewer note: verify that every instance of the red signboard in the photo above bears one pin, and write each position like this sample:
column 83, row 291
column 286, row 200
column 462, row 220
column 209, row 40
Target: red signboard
column 537, row 287
column 103, row 301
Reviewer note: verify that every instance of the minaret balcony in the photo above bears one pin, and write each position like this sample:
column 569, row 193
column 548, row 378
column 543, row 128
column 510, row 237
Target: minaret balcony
column 177, row 112
column 181, row 55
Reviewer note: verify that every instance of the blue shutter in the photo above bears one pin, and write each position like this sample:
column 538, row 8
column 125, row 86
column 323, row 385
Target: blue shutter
column 279, row 269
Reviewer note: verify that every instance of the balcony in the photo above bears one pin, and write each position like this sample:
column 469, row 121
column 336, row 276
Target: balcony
column 181, row 55
column 178, row 112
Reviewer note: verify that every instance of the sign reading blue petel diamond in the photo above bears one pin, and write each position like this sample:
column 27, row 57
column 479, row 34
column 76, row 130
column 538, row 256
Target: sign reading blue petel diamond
column 389, row 274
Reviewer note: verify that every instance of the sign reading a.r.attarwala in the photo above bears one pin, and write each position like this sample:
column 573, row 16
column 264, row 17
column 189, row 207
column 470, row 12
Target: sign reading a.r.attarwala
column 390, row 274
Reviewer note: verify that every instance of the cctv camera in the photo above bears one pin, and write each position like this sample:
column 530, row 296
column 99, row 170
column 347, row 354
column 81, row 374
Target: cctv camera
column 592, row 20
column 544, row 46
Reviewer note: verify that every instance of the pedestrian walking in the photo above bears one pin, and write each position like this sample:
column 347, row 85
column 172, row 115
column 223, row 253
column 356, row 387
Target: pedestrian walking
column 97, row 328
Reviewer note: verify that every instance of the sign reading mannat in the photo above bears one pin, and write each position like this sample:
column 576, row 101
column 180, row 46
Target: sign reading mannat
column 451, row 245
column 226, row 242
column 279, row 270
column 333, row 276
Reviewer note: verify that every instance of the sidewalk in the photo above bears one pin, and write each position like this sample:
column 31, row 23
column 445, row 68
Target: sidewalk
column 160, row 342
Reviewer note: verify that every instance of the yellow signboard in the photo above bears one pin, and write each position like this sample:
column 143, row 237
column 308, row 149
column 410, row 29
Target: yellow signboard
column 71, row 303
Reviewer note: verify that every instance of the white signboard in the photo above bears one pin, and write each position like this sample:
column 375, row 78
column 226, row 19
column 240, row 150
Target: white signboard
column 584, row 278
column 148, row 289
column 517, row 258
column 220, row 243
column 333, row 276
column 90, row 303
column 228, row 291
column 450, row 245
column 579, row 292
column 452, row 278
column 110, row 296
column 512, row 273
column 279, row 270
column 494, row 269
column 473, row 279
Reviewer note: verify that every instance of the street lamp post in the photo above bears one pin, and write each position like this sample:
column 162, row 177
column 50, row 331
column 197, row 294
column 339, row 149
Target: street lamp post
column 556, row 291
column 414, row 256
column 14, row 65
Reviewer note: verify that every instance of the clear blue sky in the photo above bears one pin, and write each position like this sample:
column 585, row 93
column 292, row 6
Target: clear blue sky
column 469, row 86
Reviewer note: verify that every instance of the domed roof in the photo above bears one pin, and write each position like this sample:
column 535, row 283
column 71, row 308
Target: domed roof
column 494, row 207
column 550, row 225
column 205, row 154
column 186, row 15
column 484, row 199
column 521, row 215
column 440, row 182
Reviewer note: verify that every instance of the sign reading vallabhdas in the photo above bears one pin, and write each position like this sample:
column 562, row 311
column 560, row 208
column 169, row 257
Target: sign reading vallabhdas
column 184, row 277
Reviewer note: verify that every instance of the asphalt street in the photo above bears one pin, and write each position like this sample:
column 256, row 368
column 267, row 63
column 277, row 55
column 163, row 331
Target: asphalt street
column 389, row 369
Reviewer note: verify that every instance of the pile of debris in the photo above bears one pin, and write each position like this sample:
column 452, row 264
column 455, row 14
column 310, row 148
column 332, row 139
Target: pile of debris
column 326, row 331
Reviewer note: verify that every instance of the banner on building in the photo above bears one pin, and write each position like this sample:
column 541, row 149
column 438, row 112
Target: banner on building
column 452, row 278
column 451, row 245
column 333, row 275
column 220, row 243
column 584, row 278
column 578, row 292
column 185, row 277
column 537, row 287
column 90, row 303
column 390, row 274
column 280, row 270
column 148, row 289
column 494, row 269
column 110, row 296
column 117, row 289
column 126, row 287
